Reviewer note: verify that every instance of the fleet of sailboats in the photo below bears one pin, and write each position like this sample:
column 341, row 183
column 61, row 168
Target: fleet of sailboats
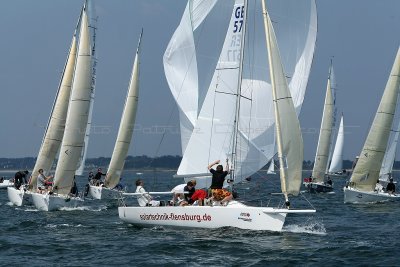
column 248, row 89
column 246, row 155
column 361, row 187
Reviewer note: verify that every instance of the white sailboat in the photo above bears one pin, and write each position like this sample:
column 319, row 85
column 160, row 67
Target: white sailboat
column 336, row 167
column 271, row 168
column 75, row 128
column 238, row 146
column 318, row 181
column 54, row 132
column 124, row 138
column 6, row 183
column 360, row 188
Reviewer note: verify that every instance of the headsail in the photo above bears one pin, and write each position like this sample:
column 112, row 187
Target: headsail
column 366, row 172
column 337, row 156
column 288, row 134
column 78, row 113
column 126, row 127
column 325, row 136
column 55, row 129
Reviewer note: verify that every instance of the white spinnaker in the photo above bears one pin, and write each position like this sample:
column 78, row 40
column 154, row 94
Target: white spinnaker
column 324, row 140
column 180, row 65
column 390, row 154
column 215, row 124
column 337, row 156
column 126, row 127
column 55, row 130
column 92, row 19
column 78, row 113
column 288, row 133
column 296, row 24
column 366, row 172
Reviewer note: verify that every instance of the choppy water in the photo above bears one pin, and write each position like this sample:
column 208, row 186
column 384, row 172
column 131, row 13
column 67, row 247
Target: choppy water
column 93, row 235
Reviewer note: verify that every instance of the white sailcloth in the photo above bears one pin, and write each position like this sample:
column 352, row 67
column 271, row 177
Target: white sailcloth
column 337, row 156
column 93, row 28
column 324, row 141
column 78, row 113
column 366, row 172
column 390, row 155
column 180, row 65
column 184, row 61
column 288, row 133
column 125, row 128
column 55, row 130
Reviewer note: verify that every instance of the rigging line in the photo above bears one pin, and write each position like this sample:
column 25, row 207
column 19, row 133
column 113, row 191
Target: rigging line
column 241, row 96
column 212, row 119
column 307, row 200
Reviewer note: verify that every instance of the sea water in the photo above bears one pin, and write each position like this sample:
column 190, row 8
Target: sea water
column 93, row 235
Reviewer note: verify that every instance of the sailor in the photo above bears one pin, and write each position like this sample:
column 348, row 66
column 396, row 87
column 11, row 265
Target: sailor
column 217, row 183
column 144, row 199
column 20, row 178
column 378, row 187
column 390, row 188
column 97, row 177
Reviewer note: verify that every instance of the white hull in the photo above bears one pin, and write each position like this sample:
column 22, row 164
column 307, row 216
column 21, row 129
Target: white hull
column 100, row 192
column 6, row 183
column 19, row 197
column 352, row 195
column 46, row 202
column 235, row 214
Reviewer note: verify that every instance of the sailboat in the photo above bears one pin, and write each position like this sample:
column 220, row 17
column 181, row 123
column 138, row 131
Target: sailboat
column 124, row 138
column 75, row 127
column 54, row 132
column 271, row 168
column 240, row 151
column 336, row 166
column 318, row 180
column 4, row 183
column 360, row 188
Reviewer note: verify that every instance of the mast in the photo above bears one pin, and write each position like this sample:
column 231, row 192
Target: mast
column 242, row 19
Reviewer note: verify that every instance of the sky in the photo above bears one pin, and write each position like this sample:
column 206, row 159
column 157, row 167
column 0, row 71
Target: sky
column 362, row 37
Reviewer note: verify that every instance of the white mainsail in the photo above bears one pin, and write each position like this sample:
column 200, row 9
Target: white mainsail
column 390, row 154
column 325, row 136
column 337, row 156
column 366, row 171
column 93, row 29
column 78, row 113
column 288, row 133
column 126, row 127
column 55, row 129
